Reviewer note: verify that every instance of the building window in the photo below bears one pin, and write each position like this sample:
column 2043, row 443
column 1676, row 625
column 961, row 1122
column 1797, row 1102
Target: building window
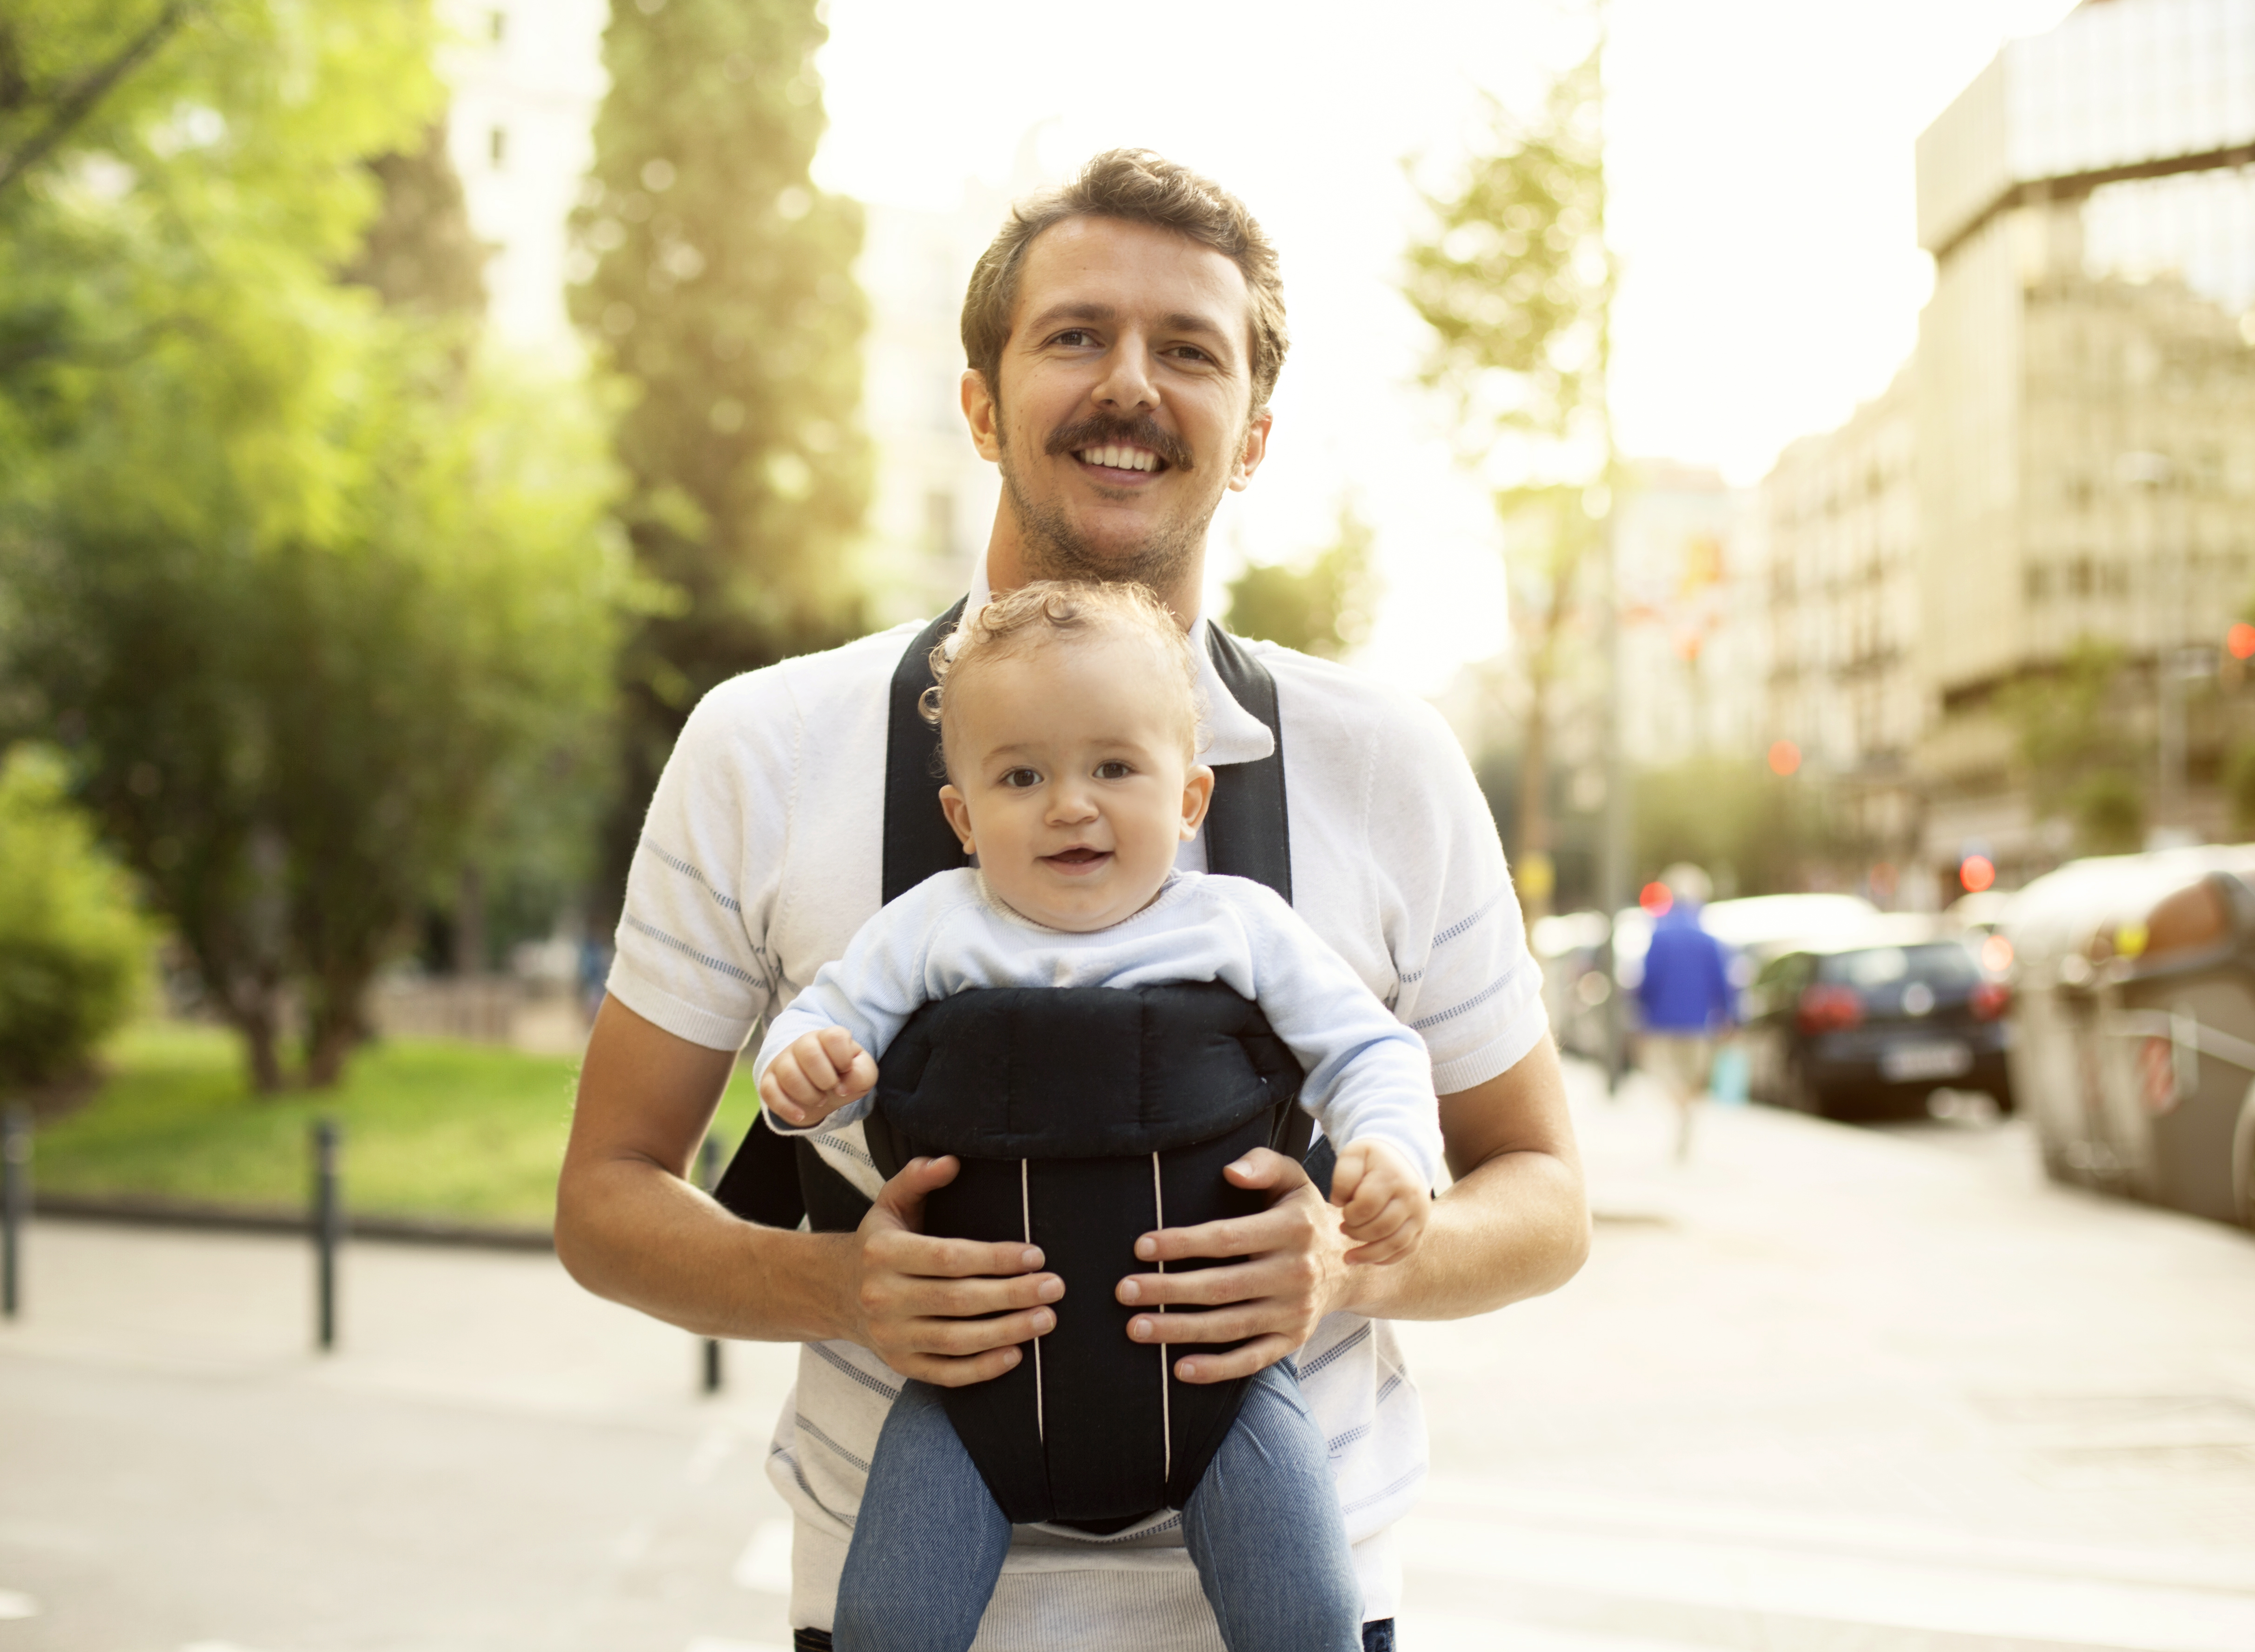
column 497, row 147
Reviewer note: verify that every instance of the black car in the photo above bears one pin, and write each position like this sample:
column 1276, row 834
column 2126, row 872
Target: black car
column 1864, row 1028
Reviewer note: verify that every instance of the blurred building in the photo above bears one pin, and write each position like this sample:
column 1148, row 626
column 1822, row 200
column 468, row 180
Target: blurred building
column 1693, row 647
column 1841, row 523
column 2086, row 390
column 526, row 78
column 934, row 503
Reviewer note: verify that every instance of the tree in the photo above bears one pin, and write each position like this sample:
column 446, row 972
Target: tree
column 72, row 947
column 1320, row 609
column 1515, row 282
column 721, row 290
column 304, row 584
column 2084, row 762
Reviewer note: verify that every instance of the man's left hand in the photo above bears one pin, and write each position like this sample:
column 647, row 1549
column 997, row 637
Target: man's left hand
column 1293, row 1271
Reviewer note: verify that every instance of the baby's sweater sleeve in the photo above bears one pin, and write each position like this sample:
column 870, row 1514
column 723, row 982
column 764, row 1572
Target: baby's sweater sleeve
column 1369, row 1076
column 871, row 990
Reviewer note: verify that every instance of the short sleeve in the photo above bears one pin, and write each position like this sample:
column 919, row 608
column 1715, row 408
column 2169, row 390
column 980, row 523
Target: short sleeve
column 1469, row 985
column 703, row 881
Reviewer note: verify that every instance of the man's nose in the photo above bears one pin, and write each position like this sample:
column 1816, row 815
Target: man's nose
column 1128, row 386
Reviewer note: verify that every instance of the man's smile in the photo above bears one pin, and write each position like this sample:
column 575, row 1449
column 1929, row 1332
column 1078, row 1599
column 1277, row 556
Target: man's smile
column 1117, row 461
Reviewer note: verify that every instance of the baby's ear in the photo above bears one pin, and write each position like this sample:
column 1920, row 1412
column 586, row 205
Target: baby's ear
column 958, row 816
column 1197, row 797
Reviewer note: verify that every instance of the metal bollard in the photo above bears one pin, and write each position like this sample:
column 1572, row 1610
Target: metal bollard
column 708, row 1174
column 15, row 1203
column 328, row 1233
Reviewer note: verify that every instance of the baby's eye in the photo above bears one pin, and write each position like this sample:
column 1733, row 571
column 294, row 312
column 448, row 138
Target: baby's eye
column 1114, row 770
column 1019, row 779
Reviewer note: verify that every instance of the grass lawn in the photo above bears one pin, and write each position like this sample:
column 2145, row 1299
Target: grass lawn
column 431, row 1127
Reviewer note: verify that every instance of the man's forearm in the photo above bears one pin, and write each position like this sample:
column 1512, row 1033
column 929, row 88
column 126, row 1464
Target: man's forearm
column 632, row 1230
column 1516, row 1228
column 1515, row 1223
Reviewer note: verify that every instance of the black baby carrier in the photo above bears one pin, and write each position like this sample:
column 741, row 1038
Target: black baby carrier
column 1083, row 1117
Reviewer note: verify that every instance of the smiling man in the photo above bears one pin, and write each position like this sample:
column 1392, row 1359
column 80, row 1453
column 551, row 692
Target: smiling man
column 1123, row 335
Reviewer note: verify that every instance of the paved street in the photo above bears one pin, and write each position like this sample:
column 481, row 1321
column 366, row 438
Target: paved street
column 1821, row 1388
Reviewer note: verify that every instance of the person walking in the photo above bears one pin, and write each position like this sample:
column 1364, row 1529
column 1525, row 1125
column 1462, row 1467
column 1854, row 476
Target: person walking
column 1686, row 998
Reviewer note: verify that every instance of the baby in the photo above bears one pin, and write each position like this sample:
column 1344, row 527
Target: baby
column 1069, row 719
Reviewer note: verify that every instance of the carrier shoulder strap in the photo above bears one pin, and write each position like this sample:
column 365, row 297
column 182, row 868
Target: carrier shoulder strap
column 776, row 1180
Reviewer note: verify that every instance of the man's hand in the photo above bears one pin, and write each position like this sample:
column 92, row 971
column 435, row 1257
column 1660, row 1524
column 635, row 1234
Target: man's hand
column 813, row 1077
column 921, row 1300
column 1293, row 1271
column 1383, row 1205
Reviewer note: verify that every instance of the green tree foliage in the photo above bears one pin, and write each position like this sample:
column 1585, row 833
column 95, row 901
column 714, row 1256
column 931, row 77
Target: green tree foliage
column 307, row 588
column 1322, row 608
column 2083, row 757
column 1515, row 282
column 722, row 290
column 1754, row 832
column 72, row 949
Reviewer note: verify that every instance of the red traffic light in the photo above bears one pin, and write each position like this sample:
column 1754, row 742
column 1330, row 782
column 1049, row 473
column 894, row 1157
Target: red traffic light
column 1977, row 872
column 2239, row 641
column 1784, row 758
column 1656, row 899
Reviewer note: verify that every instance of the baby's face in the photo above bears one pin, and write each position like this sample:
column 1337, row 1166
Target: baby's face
column 1070, row 782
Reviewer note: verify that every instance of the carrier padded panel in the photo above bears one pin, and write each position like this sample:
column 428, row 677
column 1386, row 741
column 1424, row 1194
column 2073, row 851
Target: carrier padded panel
column 1061, row 1104
column 1056, row 1073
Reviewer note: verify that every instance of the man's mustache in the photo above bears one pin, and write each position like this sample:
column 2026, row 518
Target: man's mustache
column 1099, row 429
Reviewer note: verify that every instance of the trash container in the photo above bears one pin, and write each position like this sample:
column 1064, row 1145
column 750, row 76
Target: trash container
column 2133, row 1016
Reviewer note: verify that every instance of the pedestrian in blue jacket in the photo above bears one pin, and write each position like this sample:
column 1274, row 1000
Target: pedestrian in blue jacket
column 1686, row 998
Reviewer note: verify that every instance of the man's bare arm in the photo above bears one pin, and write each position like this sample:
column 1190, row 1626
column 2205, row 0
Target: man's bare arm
column 630, row 1227
column 1515, row 1223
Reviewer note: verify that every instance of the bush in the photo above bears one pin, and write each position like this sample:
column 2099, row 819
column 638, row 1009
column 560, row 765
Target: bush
column 72, row 948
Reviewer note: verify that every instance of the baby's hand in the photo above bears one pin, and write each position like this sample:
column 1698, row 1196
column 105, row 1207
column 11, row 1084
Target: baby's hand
column 817, row 1075
column 1383, row 1204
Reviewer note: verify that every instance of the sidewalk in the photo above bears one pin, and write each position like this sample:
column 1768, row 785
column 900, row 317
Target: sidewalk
column 1821, row 1389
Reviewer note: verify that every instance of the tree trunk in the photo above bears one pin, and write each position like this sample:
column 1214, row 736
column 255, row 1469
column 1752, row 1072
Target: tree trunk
column 1530, row 856
column 335, row 1027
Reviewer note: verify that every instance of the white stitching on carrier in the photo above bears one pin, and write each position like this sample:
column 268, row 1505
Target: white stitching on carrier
column 1166, row 1421
column 1026, row 1209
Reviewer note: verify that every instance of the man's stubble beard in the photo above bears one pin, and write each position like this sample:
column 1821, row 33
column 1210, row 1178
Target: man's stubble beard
column 1052, row 548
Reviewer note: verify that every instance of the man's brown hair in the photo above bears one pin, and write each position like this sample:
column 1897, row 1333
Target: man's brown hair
column 1135, row 186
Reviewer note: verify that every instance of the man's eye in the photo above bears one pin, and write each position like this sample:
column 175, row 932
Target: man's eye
column 1074, row 338
column 1114, row 770
column 1019, row 779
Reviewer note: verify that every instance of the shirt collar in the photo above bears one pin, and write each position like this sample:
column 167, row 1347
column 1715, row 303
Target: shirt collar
column 1233, row 735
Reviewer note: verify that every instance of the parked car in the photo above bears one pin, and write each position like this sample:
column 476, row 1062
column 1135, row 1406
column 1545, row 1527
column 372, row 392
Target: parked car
column 1873, row 1023
column 2135, row 1025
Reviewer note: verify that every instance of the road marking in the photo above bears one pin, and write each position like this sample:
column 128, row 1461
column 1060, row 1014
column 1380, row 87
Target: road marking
column 765, row 1564
column 1932, row 1596
column 1457, row 1632
column 15, row 1605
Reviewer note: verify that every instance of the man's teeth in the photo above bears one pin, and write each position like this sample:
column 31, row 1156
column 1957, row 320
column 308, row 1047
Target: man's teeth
column 1122, row 458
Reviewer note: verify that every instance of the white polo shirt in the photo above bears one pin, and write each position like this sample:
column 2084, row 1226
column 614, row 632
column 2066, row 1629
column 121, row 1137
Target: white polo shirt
column 761, row 857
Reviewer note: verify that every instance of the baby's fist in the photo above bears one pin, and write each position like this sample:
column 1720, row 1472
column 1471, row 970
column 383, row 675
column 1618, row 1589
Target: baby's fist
column 1382, row 1204
column 817, row 1075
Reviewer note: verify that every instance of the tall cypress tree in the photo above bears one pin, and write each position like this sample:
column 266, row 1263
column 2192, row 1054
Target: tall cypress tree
column 722, row 290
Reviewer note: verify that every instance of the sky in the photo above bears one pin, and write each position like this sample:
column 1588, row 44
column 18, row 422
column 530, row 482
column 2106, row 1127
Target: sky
column 1759, row 157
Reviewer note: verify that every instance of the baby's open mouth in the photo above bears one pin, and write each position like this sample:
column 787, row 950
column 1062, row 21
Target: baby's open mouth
column 1078, row 859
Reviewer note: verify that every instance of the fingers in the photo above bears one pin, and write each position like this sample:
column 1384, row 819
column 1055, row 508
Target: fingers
column 852, row 1072
column 1240, row 1361
column 900, row 1202
column 1287, row 1223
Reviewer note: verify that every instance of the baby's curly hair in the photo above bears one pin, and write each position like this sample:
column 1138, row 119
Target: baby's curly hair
column 1052, row 612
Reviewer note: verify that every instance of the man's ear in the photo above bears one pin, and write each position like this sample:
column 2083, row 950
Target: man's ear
column 1197, row 797
column 1252, row 450
column 958, row 816
column 979, row 412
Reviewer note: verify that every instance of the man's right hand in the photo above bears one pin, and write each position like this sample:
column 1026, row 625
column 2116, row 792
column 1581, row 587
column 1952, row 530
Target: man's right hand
column 923, row 1302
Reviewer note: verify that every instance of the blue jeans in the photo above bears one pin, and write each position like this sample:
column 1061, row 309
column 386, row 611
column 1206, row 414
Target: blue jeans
column 1263, row 1528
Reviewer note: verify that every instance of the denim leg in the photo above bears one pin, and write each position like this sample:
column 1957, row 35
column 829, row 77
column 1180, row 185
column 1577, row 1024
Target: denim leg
column 929, row 1543
column 1264, row 1528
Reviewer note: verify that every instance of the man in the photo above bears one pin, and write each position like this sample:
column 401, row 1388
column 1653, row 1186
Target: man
column 1123, row 336
column 1685, row 998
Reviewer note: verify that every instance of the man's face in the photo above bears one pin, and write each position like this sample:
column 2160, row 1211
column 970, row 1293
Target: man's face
column 1124, row 402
